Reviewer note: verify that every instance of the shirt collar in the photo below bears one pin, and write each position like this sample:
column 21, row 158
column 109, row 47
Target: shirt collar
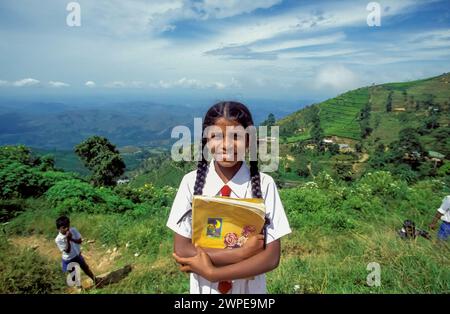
column 238, row 184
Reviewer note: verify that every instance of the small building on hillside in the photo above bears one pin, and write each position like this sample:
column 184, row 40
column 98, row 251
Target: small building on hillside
column 399, row 109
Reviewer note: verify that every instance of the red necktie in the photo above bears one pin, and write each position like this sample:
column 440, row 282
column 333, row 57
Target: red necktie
column 225, row 286
column 225, row 190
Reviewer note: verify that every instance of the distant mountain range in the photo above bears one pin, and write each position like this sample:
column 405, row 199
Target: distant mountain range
column 54, row 125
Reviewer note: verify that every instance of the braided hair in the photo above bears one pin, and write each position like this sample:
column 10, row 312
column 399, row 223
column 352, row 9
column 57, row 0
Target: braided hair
column 229, row 110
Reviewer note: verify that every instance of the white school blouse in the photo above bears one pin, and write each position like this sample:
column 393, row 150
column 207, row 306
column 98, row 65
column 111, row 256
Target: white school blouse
column 240, row 186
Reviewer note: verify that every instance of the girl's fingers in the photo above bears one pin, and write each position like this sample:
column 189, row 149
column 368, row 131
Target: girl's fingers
column 260, row 237
column 180, row 260
column 185, row 268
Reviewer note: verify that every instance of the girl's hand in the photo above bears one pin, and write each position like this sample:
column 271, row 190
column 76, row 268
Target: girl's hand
column 200, row 264
column 253, row 245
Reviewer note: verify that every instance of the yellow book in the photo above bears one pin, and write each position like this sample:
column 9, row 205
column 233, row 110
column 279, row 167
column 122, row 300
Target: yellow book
column 225, row 222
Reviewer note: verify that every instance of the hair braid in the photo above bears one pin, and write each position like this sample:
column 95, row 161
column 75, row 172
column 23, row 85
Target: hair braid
column 202, row 170
column 256, row 179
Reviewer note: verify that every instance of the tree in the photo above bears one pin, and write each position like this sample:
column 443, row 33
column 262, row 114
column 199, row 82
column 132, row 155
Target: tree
column 102, row 159
column 301, row 166
column 364, row 121
column 358, row 147
column 408, row 149
column 316, row 130
column 270, row 121
column 333, row 148
column 342, row 167
column 389, row 102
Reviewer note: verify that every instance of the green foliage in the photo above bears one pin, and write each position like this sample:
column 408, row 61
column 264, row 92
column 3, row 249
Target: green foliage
column 25, row 271
column 76, row 196
column 316, row 130
column 364, row 121
column 20, row 180
column 102, row 158
column 20, row 154
column 389, row 102
column 383, row 184
column 342, row 167
column 270, row 121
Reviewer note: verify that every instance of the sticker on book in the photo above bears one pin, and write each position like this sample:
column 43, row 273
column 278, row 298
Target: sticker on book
column 214, row 228
column 232, row 240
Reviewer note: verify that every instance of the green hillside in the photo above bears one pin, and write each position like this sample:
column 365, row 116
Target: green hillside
column 377, row 127
column 339, row 116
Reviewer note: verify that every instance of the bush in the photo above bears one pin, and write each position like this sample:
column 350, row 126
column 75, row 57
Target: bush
column 383, row 184
column 27, row 272
column 19, row 180
column 76, row 196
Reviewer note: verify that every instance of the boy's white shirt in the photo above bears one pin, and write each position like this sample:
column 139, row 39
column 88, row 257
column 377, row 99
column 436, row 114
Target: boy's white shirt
column 240, row 186
column 445, row 209
column 61, row 242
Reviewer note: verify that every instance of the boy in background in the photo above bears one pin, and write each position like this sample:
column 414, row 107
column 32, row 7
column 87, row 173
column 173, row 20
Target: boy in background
column 443, row 213
column 68, row 241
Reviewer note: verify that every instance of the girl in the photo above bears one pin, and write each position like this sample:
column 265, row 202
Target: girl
column 221, row 270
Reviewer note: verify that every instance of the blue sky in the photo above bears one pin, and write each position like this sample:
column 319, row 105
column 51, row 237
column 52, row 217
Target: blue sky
column 271, row 49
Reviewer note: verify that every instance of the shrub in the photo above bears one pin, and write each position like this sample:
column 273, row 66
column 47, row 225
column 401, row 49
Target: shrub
column 77, row 196
column 26, row 272
column 19, row 180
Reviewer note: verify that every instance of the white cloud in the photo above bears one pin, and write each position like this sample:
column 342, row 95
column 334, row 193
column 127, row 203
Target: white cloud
column 90, row 84
column 123, row 84
column 57, row 84
column 303, row 20
column 273, row 49
column 195, row 84
column 26, row 82
column 318, row 53
column 138, row 17
column 337, row 77
column 298, row 43
column 4, row 83
column 222, row 9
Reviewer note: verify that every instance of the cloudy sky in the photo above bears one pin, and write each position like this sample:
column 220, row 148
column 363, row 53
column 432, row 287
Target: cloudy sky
column 275, row 49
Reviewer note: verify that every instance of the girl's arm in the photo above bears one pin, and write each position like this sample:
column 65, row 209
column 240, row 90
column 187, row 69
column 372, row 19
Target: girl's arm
column 183, row 247
column 260, row 263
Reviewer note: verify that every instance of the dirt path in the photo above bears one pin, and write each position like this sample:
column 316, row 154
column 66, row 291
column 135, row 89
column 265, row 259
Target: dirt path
column 100, row 259
column 358, row 165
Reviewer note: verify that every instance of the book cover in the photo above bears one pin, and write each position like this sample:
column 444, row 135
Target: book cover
column 225, row 222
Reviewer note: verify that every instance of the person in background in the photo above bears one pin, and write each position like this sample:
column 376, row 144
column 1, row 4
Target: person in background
column 68, row 241
column 443, row 213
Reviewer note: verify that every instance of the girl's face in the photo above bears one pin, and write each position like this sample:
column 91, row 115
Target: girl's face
column 227, row 142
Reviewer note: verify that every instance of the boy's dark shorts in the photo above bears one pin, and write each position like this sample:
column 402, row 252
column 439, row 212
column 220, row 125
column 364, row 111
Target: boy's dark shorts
column 77, row 259
column 444, row 231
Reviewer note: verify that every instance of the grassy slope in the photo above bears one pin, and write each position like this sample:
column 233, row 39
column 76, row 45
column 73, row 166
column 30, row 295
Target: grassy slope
column 339, row 115
column 316, row 257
